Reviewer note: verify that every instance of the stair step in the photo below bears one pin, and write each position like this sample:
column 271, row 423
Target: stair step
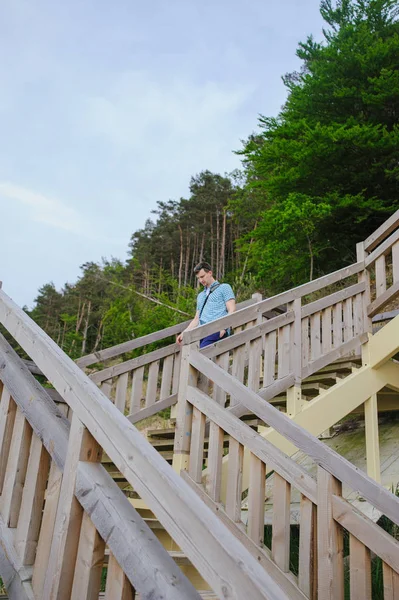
column 168, row 433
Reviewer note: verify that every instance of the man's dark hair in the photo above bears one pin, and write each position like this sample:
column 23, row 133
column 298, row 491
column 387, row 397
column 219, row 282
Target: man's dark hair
column 202, row 265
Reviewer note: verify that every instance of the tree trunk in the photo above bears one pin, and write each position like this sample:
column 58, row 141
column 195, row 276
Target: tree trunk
column 98, row 338
column 181, row 256
column 311, row 259
column 187, row 263
column 84, row 343
column 223, row 246
column 217, row 244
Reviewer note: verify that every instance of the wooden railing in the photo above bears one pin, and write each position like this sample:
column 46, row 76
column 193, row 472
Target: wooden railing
column 58, row 552
column 324, row 514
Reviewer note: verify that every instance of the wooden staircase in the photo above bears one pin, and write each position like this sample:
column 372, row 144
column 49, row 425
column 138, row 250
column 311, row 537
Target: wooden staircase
column 84, row 497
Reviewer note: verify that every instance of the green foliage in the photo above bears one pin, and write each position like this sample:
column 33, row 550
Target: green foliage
column 334, row 145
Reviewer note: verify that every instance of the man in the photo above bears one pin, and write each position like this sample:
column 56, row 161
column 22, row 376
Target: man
column 215, row 301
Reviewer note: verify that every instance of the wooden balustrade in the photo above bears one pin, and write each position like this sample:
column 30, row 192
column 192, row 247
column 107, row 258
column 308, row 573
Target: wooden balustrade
column 324, row 515
column 83, row 504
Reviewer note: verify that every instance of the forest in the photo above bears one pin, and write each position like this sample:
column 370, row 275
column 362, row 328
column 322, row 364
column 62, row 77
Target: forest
column 315, row 179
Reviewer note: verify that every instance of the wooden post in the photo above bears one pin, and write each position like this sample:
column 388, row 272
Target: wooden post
column 8, row 410
column 89, row 562
column 60, row 571
column 118, row 587
column 360, row 570
column 372, row 441
column 361, row 254
column 188, row 376
column 30, row 516
column 329, row 539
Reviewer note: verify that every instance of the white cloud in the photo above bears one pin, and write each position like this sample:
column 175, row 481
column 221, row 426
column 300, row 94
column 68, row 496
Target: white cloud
column 49, row 211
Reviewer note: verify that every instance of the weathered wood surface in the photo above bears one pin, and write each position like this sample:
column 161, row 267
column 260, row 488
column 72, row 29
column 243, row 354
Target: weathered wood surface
column 380, row 302
column 15, row 576
column 332, row 299
column 383, row 248
column 240, row 317
column 116, row 520
column 203, row 538
column 286, row 581
column 319, row 452
column 142, row 341
column 382, row 232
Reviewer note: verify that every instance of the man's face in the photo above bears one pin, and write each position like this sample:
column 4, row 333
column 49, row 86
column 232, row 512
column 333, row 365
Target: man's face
column 205, row 277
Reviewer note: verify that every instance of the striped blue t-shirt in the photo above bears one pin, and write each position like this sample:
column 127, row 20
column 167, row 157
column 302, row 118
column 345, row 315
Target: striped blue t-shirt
column 215, row 306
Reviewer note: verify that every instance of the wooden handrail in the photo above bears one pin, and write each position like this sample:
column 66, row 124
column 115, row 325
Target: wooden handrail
column 219, row 557
column 142, row 341
column 243, row 316
column 94, row 487
column 382, row 232
column 319, row 452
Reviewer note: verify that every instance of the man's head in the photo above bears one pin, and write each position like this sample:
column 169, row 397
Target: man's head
column 203, row 272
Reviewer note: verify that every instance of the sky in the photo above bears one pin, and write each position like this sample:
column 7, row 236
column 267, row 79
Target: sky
column 108, row 107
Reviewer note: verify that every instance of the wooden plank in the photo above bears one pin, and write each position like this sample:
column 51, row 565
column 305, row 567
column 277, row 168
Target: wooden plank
column 144, row 413
column 140, row 342
column 256, row 500
column 353, row 345
column 89, row 562
column 296, row 337
column 371, row 435
column 300, row 438
column 134, row 363
column 251, row 332
column 186, row 519
column 366, row 531
column 284, row 352
column 184, row 412
column 234, row 480
column 326, row 330
column 358, row 316
column 111, row 512
column 333, row 299
column 315, row 337
column 359, row 569
column 391, row 583
column 337, row 325
column 380, row 276
column 382, row 232
column 64, row 545
column 305, row 342
column 237, row 369
column 15, row 577
column 281, row 522
column 286, row 581
column 176, row 373
column 380, row 302
column 395, row 262
column 46, row 530
column 27, row 533
column 215, row 455
column 329, row 539
column 223, row 361
column 137, row 390
column 121, row 391
column 307, row 565
column 361, row 254
column 118, row 587
column 348, row 320
column 197, row 445
column 152, row 384
column 269, row 374
column 106, row 388
column 166, row 382
column 254, row 358
column 382, row 249
column 10, row 501
column 8, row 410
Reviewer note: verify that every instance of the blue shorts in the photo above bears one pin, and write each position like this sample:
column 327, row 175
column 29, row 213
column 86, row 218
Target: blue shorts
column 211, row 339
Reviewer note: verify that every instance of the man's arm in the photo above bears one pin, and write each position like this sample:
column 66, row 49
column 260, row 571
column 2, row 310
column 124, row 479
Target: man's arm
column 192, row 325
column 230, row 307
